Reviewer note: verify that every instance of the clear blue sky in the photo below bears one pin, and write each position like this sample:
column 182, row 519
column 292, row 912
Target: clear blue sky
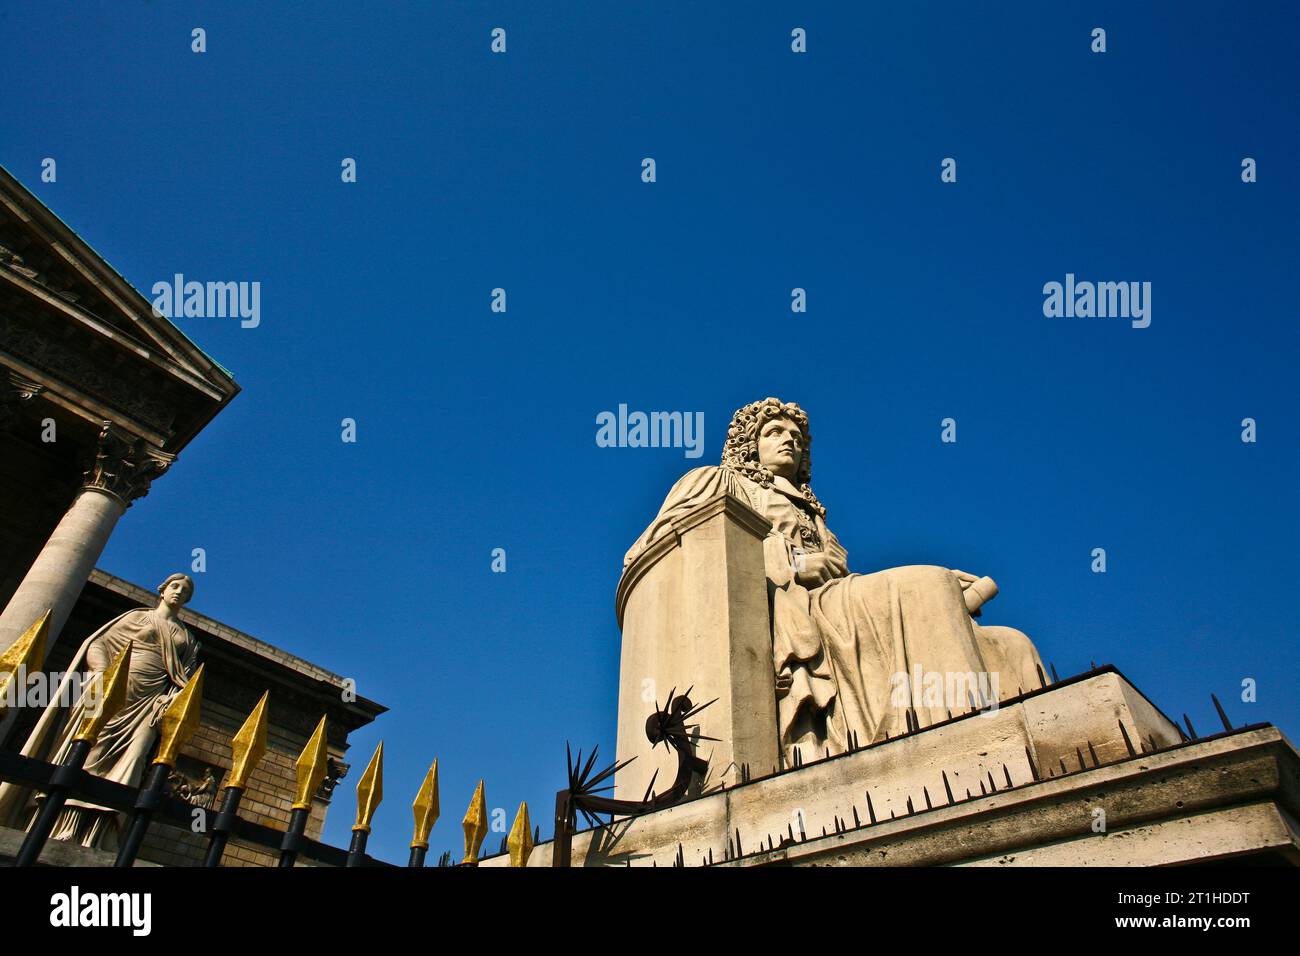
column 775, row 170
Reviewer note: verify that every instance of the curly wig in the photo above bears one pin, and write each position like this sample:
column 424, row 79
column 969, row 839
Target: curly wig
column 740, row 453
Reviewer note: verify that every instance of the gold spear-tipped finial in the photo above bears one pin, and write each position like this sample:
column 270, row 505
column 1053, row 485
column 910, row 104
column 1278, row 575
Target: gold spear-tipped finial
column 248, row 745
column 520, row 840
column 180, row 720
column 475, row 824
column 370, row 790
column 426, row 808
column 104, row 696
column 312, row 766
column 26, row 653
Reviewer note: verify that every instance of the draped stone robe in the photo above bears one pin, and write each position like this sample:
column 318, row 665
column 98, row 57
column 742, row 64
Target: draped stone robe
column 163, row 657
column 847, row 644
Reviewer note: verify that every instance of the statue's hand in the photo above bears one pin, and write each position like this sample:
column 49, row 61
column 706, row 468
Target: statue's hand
column 976, row 592
column 818, row 567
column 964, row 578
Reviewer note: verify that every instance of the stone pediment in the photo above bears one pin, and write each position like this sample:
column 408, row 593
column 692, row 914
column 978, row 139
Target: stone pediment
column 78, row 328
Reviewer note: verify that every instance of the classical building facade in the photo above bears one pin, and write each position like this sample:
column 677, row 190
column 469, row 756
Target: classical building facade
column 98, row 397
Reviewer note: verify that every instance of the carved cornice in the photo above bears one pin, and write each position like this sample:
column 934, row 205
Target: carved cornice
column 71, row 361
column 124, row 466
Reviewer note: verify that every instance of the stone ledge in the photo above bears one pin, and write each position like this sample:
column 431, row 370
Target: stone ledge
column 57, row 852
column 917, row 824
column 1218, row 798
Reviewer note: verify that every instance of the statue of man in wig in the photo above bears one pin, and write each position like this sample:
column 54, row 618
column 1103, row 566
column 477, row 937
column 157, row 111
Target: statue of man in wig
column 163, row 657
column 846, row 647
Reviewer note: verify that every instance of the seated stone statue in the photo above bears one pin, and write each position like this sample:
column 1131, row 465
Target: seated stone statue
column 850, row 650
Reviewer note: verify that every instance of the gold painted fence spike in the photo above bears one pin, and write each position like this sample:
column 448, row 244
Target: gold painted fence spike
column 248, row 745
column 312, row 765
column 520, row 840
column 370, row 790
column 104, row 696
column 475, row 824
column 27, row 653
column 426, row 808
column 180, row 720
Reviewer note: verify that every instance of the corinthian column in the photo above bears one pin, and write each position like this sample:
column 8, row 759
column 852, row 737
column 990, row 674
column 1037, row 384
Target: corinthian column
column 123, row 468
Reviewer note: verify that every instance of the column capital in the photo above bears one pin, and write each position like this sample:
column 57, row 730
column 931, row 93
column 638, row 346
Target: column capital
column 124, row 466
column 15, row 391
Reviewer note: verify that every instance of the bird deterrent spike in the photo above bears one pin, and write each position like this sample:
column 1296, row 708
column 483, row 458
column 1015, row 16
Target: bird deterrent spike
column 871, row 810
column 1052, row 668
column 928, row 804
column 1033, row 768
column 1127, row 743
column 1042, row 680
column 946, row 786
column 1227, row 725
column 1092, row 752
column 1007, row 773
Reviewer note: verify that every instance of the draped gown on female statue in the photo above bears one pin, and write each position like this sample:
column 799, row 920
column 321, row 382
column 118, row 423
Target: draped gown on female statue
column 162, row 658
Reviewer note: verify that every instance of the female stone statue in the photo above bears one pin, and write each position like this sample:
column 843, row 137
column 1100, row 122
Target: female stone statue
column 162, row 659
column 853, row 653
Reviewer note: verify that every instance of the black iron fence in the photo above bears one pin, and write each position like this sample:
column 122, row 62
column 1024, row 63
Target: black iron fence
column 150, row 804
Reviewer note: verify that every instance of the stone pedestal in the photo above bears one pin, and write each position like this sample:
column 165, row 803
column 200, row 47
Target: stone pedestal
column 1034, row 789
column 693, row 611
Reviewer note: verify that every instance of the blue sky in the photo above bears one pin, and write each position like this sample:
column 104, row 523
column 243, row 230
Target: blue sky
column 775, row 170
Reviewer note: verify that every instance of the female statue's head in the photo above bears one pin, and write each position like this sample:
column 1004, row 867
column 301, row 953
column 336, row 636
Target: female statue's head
column 177, row 590
column 770, row 438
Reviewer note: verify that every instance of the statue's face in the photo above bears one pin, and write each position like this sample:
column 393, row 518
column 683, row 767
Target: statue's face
column 176, row 593
column 780, row 447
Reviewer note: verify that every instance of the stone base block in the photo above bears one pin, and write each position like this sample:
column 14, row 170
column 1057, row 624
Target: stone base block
column 1016, row 786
